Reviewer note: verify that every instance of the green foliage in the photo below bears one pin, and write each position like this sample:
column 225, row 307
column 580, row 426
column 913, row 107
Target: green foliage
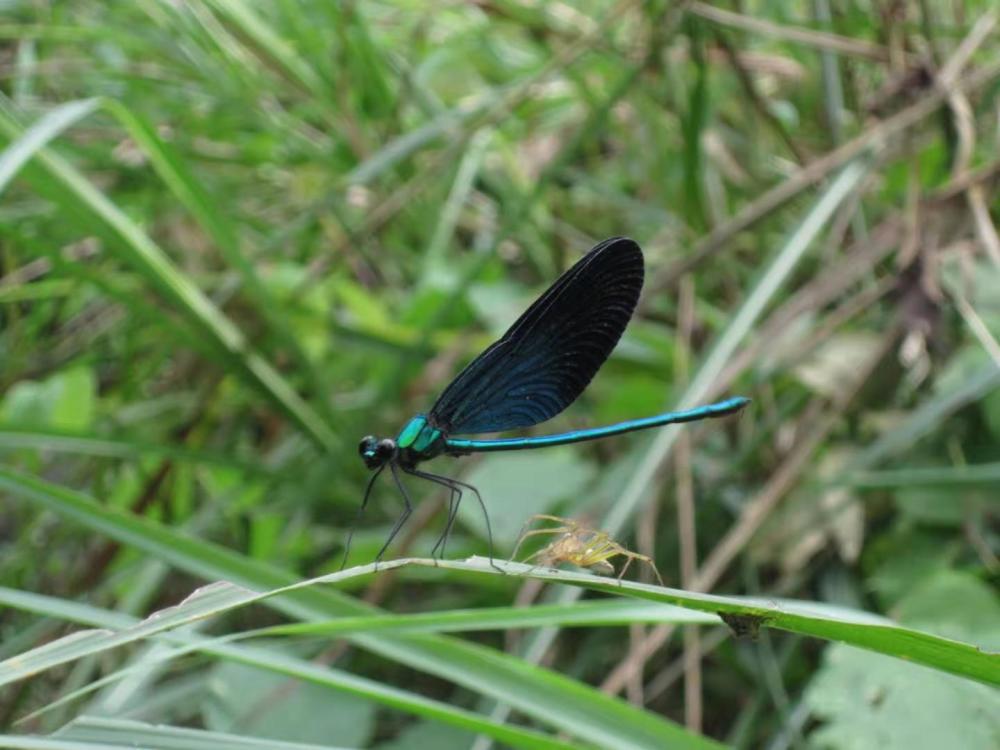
column 235, row 237
column 866, row 701
column 558, row 475
column 65, row 401
column 240, row 700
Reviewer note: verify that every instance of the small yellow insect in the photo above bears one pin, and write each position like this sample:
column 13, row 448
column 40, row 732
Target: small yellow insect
column 579, row 545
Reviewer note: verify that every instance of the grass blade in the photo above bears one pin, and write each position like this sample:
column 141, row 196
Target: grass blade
column 548, row 697
column 136, row 248
column 49, row 126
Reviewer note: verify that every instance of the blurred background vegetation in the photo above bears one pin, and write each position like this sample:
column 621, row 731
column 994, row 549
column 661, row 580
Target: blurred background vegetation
column 235, row 237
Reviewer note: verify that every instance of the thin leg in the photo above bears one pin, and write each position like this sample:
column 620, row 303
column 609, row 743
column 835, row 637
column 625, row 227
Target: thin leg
column 558, row 519
column 407, row 510
column 454, row 500
column 479, row 499
column 439, row 543
column 628, row 561
column 361, row 510
column 486, row 516
column 657, row 572
column 538, row 562
column 537, row 532
column 452, row 515
column 521, row 536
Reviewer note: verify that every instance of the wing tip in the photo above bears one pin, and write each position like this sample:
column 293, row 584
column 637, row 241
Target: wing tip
column 618, row 240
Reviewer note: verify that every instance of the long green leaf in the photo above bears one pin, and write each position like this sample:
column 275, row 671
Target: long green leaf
column 543, row 695
column 196, row 199
column 578, row 614
column 222, row 597
column 924, row 476
column 862, row 629
column 272, row 47
column 928, row 417
column 139, row 250
column 48, row 126
column 97, row 733
column 16, row 438
column 116, row 629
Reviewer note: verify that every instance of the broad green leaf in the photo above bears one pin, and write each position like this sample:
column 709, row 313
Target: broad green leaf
column 250, row 701
column 64, row 401
column 861, row 698
column 866, row 700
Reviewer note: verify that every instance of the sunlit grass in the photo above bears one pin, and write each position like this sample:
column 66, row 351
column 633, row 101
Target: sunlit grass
column 238, row 237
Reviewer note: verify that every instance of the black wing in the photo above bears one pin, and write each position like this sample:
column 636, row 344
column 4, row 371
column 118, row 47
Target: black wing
column 552, row 351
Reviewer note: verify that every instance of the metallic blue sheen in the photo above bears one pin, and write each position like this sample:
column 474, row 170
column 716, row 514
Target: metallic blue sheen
column 719, row 409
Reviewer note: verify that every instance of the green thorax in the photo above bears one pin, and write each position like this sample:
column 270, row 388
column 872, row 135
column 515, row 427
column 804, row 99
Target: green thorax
column 418, row 440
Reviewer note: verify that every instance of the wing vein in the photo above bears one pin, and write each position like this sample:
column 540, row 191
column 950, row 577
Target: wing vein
column 552, row 351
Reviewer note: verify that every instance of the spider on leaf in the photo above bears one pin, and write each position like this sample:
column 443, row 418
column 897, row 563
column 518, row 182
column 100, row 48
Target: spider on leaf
column 580, row 545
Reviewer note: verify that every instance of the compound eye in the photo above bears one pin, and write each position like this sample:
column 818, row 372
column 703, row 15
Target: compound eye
column 367, row 445
column 386, row 447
